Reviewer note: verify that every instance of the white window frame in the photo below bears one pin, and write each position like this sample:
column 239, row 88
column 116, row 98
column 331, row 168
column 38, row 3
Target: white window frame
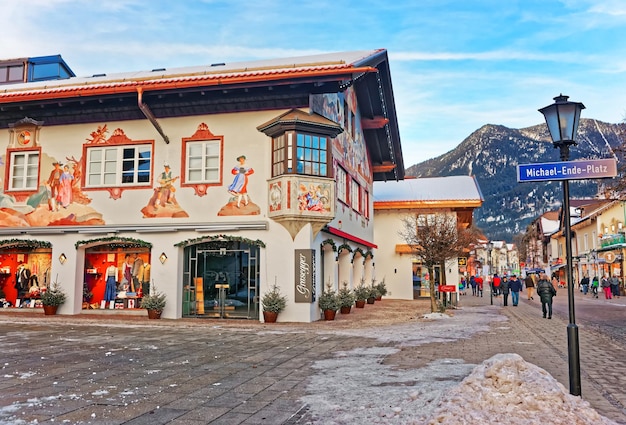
column 209, row 161
column 341, row 184
column 110, row 172
column 24, row 170
column 355, row 192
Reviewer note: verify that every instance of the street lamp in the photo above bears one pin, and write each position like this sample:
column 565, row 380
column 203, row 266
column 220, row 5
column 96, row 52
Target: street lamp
column 489, row 246
column 562, row 119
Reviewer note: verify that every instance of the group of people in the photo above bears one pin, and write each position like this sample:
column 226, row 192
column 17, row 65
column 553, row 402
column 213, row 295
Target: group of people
column 546, row 288
column 505, row 286
column 476, row 282
column 609, row 285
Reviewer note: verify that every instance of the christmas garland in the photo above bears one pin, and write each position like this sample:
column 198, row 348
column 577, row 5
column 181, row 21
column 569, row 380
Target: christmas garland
column 117, row 242
column 331, row 243
column 24, row 243
column 220, row 238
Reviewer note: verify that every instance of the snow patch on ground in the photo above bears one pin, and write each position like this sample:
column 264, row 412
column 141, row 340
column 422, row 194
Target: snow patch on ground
column 356, row 387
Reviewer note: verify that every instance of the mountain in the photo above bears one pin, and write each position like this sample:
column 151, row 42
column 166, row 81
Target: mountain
column 492, row 154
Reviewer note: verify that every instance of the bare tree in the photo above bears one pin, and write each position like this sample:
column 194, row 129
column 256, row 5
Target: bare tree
column 435, row 238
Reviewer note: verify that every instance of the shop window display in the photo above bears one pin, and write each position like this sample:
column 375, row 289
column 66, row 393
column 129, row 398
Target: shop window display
column 115, row 279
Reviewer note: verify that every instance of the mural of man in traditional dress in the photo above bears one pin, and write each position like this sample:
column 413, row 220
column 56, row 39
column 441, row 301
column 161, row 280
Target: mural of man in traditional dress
column 54, row 185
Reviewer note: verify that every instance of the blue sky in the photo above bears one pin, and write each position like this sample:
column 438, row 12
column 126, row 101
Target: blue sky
column 456, row 65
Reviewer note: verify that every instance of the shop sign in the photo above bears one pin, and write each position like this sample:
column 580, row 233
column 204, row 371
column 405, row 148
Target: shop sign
column 305, row 275
column 447, row 288
column 462, row 261
column 609, row 257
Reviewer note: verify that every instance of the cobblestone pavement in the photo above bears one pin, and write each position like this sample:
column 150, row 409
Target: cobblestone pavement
column 131, row 370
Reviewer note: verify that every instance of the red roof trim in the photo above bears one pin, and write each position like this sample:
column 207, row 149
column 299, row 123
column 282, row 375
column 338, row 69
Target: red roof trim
column 348, row 236
column 69, row 89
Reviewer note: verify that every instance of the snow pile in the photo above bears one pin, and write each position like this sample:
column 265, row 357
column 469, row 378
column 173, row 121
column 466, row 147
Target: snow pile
column 505, row 386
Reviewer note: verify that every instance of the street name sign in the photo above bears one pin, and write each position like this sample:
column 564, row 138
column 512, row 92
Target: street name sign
column 567, row 170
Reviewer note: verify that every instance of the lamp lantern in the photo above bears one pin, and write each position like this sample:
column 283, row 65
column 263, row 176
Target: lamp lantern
column 562, row 118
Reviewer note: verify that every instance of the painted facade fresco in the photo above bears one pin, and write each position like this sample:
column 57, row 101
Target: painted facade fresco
column 163, row 201
column 239, row 202
column 348, row 147
column 38, row 190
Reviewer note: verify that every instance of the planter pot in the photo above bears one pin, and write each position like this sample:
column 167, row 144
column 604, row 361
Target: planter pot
column 270, row 316
column 50, row 310
column 329, row 314
column 371, row 300
column 346, row 309
column 380, row 298
column 360, row 303
column 154, row 314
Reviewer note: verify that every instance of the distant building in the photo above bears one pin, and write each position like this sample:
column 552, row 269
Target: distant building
column 41, row 68
column 404, row 274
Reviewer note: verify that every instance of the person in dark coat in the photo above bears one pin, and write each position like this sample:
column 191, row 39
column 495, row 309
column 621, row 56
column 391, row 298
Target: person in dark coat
column 504, row 290
column 515, row 285
column 606, row 287
column 614, row 281
column 584, row 284
column 472, row 282
column 546, row 292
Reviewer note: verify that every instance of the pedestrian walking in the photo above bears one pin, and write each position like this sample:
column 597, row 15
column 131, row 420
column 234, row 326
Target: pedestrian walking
column 472, row 282
column 479, row 285
column 606, row 287
column 546, row 292
column 504, row 289
column 584, row 284
column 515, row 286
column 462, row 286
column 495, row 284
column 595, row 286
column 614, row 286
column 530, row 285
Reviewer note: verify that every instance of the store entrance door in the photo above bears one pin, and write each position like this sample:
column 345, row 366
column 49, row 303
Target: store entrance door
column 223, row 284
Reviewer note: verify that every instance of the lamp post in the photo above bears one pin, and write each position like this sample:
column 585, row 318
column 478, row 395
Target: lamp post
column 562, row 118
column 489, row 246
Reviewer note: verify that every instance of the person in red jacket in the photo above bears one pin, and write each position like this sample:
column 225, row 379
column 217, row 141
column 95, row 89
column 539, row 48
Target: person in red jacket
column 496, row 284
column 479, row 285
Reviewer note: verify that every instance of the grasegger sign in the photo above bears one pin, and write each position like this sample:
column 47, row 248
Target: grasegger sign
column 305, row 274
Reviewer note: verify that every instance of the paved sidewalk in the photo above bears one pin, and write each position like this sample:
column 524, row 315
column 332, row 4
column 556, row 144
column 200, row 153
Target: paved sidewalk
column 543, row 342
column 129, row 370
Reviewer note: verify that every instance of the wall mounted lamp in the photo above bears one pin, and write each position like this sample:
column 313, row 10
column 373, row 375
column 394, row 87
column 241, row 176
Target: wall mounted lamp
column 62, row 258
column 162, row 258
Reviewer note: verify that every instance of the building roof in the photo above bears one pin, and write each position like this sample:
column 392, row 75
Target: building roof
column 442, row 190
column 457, row 193
column 284, row 83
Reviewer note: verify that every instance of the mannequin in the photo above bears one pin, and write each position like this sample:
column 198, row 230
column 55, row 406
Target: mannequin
column 110, row 290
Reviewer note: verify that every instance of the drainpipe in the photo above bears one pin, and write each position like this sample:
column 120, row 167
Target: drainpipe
column 149, row 115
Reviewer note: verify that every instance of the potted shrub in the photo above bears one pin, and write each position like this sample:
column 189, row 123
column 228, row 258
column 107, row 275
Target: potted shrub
column 273, row 303
column 52, row 298
column 154, row 303
column 329, row 302
column 361, row 292
column 346, row 298
column 372, row 293
column 382, row 289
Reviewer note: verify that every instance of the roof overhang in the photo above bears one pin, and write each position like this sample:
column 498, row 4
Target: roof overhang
column 214, row 89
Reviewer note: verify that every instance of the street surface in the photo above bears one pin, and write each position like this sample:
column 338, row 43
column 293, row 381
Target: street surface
column 131, row 370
